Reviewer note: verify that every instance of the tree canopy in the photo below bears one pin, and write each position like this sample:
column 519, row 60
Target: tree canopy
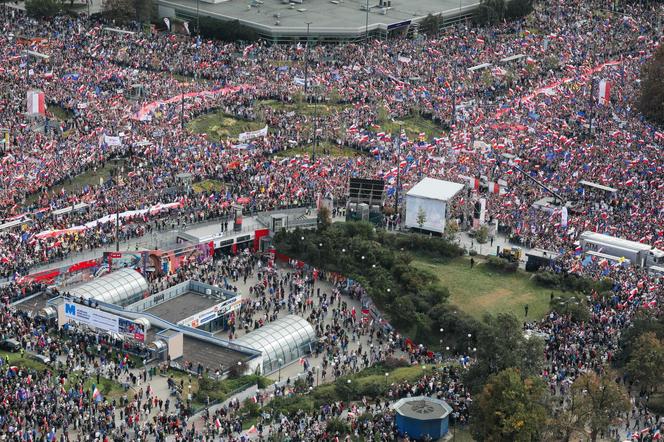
column 651, row 102
column 412, row 298
column 600, row 401
column 503, row 346
column 510, row 408
column 646, row 363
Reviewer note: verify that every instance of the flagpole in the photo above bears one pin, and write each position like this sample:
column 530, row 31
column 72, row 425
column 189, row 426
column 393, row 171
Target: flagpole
column 396, row 193
column 306, row 62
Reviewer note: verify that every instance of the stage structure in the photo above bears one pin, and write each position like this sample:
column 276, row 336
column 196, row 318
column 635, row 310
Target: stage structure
column 427, row 204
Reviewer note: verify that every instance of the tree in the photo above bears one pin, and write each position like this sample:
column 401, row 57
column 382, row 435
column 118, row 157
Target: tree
column 43, row 8
column 601, row 401
column 518, row 8
column 491, row 11
column 120, row 11
column 503, row 346
column 651, row 102
column 421, row 217
column 510, row 408
column 430, row 25
column 646, row 363
column 642, row 323
column 143, row 10
column 482, row 234
column 324, row 217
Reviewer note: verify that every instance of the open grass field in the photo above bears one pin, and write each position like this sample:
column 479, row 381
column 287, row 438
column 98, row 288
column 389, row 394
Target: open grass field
column 220, row 126
column 482, row 290
column 413, row 125
column 109, row 389
column 60, row 113
column 208, row 186
column 89, row 177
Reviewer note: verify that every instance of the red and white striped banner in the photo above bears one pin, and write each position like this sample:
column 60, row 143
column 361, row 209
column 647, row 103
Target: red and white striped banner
column 36, row 103
column 604, row 92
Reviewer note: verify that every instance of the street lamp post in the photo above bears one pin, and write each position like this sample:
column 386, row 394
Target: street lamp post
column 313, row 147
column 366, row 26
column 306, row 62
column 396, row 191
column 280, row 361
column 198, row 18
column 349, row 382
column 182, row 108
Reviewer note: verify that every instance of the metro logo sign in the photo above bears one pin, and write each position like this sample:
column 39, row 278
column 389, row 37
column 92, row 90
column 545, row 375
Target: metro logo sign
column 70, row 309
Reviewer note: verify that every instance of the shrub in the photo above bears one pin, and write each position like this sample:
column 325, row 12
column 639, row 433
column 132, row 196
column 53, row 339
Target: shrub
column 251, row 408
column 501, row 264
column 42, row 8
column 290, row 406
column 391, row 363
column 337, row 426
column 482, row 235
column 546, row 278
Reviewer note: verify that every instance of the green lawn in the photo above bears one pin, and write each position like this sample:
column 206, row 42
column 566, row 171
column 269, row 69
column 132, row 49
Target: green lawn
column 482, row 290
column 208, row 186
column 220, row 126
column 89, row 177
column 60, row 113
column 109, row 388
column 413, row 125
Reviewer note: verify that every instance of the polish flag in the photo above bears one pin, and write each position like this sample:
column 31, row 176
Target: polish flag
column 604, row 92
column 494, row 187
column 36, row 104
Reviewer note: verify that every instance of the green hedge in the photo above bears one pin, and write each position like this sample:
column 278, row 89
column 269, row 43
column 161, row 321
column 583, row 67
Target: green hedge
column 412, row 298
column 571, row 282
column 218, row 391
column 501, row 264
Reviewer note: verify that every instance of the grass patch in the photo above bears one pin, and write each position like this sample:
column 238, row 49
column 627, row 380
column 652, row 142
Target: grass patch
column 325, row 148
column 208, row 186
column 303, row 108
column 220, row 126
column 371, row 383
column 218, row 391
column 89, row 177
column 461, row 434
column 413, row 125
column 482, row 290
column 26, row 362
column 110, row 389
column 60, row 113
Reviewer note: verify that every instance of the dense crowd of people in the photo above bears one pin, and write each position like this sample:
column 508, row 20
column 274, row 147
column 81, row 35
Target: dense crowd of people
column 539, row 110
column 537, row 115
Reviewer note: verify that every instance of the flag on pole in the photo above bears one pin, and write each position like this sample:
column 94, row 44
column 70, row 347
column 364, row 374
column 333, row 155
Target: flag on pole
column 96, row 394
column 36, row 103
column 186, row 27
column 604, row 91
column 168, row 23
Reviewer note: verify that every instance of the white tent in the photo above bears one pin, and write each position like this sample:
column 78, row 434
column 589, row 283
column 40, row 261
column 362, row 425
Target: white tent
column 426, row 204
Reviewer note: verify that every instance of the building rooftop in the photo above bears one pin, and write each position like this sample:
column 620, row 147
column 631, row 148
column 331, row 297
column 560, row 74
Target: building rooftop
column 326, row 17
column 435, row 189
column 422, row 408
column 183, row 306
